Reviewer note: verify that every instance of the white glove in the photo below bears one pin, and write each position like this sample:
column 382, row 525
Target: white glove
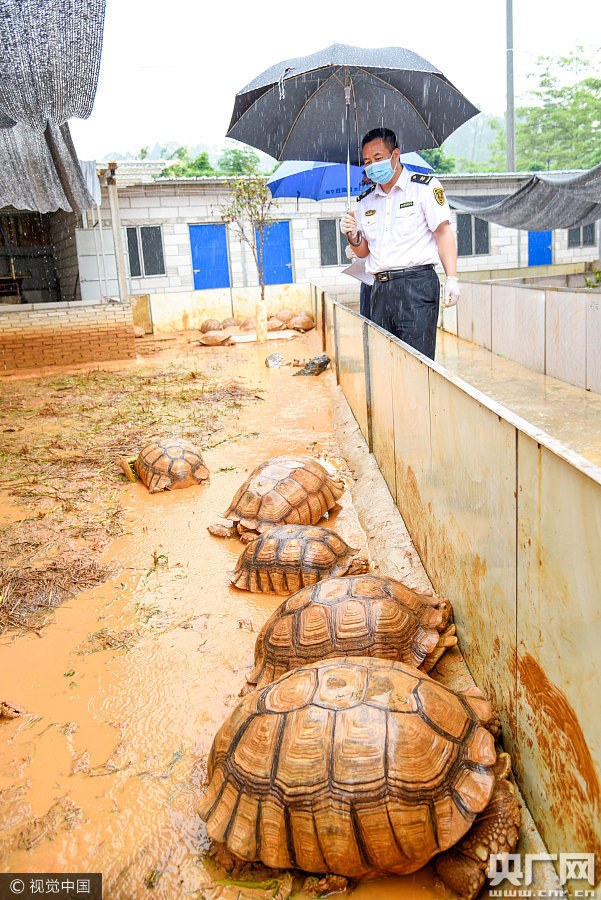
column 451, row 291
column 349, row 253
column 348, row 225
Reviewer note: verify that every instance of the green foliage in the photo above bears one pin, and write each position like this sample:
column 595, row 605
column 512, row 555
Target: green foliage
column 439, row 161
column 186, row 167
column 596, row 283
column 562, row 127
column 235, row 161
column 144, row 152
column 249, row 209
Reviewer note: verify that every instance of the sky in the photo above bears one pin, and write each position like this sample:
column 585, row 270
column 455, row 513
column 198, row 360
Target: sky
column 170, row 68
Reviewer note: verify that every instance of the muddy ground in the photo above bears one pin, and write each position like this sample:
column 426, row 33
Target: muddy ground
column 123, row 684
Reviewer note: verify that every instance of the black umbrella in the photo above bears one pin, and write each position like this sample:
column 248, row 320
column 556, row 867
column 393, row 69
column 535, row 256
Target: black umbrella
column 320, row 106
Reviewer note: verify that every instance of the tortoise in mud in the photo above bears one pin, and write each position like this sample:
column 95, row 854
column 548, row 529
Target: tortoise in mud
column 302, row 322
column 289, row 557
column 362, row 767
column 166, row 465
column 211, row 325
column 216, row 339
column 282, row 490
column 355, row 615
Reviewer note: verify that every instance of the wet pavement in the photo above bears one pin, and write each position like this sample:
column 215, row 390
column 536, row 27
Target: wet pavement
column 567, row 413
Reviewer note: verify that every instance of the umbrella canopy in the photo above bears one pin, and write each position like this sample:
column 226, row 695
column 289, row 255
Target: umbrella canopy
column 298, row 108
column 322, row 181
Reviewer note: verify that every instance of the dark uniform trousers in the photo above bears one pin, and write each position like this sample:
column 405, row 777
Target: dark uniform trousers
column 365, row 301
column 408, row 308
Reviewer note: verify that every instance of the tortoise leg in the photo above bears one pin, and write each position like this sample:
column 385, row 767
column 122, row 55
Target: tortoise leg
column 126, row 466
column 246, row 536
column 464, row 867
column 219, row 530
column 446, row 639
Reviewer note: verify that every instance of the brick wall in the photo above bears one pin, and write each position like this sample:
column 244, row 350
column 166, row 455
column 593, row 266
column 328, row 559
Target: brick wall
column 48, row 334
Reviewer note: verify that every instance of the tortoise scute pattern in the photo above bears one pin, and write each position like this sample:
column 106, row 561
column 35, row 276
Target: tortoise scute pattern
column 170, row 464
column 289, row 557
column 284, row 490
column 358, row 615
column 355, row 767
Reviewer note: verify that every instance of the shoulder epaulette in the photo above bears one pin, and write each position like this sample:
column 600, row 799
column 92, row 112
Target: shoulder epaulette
column 422, row 179
column 366, row 192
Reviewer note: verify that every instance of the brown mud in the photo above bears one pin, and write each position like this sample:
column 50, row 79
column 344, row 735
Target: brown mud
column 125, row 689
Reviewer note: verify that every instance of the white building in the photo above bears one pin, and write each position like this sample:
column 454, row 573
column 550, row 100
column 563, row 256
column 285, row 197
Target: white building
column 175, row 241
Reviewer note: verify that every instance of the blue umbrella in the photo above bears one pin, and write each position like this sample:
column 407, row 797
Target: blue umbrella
column 322, row 180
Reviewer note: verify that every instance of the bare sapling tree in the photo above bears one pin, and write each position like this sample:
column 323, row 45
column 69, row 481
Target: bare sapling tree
column 249, row 209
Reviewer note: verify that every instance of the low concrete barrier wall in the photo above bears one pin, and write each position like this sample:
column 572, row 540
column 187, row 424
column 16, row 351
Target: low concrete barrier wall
column 47, row 334
column 507, row 523
column 182, row 310
column 554, row 331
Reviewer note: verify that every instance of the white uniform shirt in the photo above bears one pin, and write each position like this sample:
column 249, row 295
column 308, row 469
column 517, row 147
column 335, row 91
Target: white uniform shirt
column 398, row 226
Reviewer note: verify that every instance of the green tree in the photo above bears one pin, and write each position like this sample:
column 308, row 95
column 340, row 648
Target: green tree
column 144, row 152
column 249, row 209
column 188, row 168
column 437, row 158
column 235, row 161
column 561, row 129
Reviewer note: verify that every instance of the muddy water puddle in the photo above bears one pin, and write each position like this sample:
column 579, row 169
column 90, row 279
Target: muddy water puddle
column 125, row 690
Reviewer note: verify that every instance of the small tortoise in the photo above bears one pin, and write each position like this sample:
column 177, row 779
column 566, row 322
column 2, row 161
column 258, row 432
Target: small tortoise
column 284, row 315
column 284, row 489
column 167, row 464
column 289, row 557
column 302, row 322
column 211, row 325
column 215, row 339
column 362, row 767
column 274, row 324
column 358, row 615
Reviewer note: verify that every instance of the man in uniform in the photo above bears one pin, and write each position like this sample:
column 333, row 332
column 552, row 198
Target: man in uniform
column 402, row 227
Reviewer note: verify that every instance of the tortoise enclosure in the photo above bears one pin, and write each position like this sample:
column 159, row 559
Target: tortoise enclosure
column 123, row 643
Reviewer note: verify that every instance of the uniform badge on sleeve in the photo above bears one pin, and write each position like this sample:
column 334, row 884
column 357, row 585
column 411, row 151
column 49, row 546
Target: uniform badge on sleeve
column 439, row 196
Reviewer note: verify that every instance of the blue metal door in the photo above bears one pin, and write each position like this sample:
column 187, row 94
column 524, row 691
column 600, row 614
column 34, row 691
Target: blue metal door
column 209, row 256
column 539, row 248
column 277, row 260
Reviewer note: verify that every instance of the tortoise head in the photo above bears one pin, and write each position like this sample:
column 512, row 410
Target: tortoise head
column 359, row 565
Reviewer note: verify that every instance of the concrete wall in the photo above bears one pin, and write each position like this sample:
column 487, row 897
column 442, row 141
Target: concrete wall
column 506, row 521
column 183, row 310
column 552, row 330
column 47, row 334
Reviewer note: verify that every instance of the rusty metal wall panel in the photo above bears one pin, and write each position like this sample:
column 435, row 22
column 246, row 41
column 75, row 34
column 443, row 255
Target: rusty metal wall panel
column 566, row 336
column 382, row 410
column 593, row 343
column 329, row 331
column 351, row 367
column 559, row 639
column 411, row 407
column 469, row 548
column 518, row 325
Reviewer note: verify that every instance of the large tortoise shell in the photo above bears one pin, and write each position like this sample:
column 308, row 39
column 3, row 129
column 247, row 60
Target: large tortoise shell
column 289, row 557
column 354, row 766
column 284, row 490
column 356, row 615
column 169, row 464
